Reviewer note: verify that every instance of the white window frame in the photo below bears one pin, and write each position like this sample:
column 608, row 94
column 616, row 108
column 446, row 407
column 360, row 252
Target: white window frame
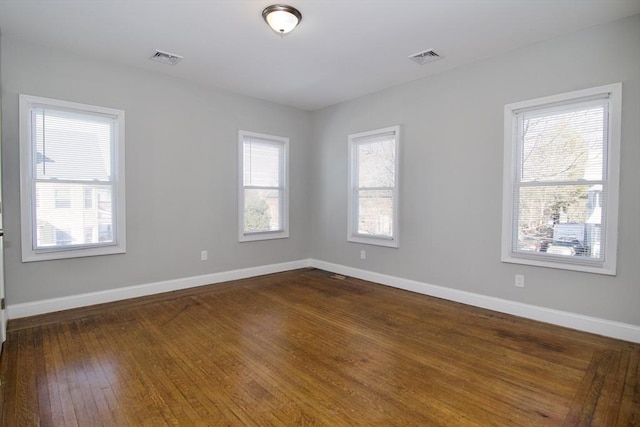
column 611, row 175
column 27, row 199
column 354, row 141
column 283, row 187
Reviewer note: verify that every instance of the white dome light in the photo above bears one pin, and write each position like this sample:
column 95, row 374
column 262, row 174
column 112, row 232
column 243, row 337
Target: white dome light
column 282, row 18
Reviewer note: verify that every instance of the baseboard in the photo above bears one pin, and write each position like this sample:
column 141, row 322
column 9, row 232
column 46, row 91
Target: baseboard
column 15, row 311
column 579, row 322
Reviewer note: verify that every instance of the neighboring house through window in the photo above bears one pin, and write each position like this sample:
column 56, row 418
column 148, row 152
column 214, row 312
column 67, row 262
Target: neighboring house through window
column 562, row 161
column 71, row 154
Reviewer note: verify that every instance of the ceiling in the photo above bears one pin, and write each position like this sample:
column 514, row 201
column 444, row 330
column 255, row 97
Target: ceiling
column 342, row 49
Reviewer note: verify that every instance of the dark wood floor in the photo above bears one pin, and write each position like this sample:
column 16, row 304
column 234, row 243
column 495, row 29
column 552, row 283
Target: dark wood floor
column 308, row 348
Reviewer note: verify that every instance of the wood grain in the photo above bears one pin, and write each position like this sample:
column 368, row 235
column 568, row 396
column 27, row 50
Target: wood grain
column 307, row 348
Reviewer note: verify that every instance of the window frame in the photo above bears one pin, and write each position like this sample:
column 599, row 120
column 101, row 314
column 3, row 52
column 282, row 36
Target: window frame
column 611, row 178
column 283, row 188
column 27, row 181
column 354, row 141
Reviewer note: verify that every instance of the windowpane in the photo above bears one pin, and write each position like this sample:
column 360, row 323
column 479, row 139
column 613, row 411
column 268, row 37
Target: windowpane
column 261, row 210
column 563, row 146
column 71, row 214
column 263, row 204
column 561, row 177
column 72, row 179
column 261, row 164
column 71, row 145
column 376, row 164
column 373, row 183
column 375, row 212
column 561, row 220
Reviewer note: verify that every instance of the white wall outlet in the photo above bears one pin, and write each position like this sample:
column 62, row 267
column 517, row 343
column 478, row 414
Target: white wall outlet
column 519, row 280
column 363, row 254
column 204, row 255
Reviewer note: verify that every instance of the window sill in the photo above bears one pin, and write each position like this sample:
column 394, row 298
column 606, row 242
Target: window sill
column 376, row 241
column 54, row 254
column 593, row 267
column 267, row 235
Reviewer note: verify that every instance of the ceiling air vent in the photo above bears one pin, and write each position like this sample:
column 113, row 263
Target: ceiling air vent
column 166, row 57
column 424, row 57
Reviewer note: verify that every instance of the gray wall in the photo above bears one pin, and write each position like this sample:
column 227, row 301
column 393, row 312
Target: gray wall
column 181, row 192
column 180, row 174
column 451, row 173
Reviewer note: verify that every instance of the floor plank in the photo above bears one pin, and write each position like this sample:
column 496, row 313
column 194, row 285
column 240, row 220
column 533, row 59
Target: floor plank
column 309, row 348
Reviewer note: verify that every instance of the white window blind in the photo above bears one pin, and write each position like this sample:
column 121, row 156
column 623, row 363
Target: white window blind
column 263, row 188
column 70, row 154
column 562, row 191
column 373, row 198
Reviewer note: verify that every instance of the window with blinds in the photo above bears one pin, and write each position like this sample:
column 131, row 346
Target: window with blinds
column 561, row 180
column 71, row 154
column 263, row 187
column 373, row 187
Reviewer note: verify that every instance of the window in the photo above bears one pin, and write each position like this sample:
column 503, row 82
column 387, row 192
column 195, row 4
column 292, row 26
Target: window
column 68, row 153
column 88, row 197
column 63, row 197
column 263, row 187
column 63, row 237
column 560, row 201
column 373, row 187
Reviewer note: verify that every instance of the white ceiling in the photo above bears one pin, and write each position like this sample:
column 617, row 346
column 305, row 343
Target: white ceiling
column 341, row 50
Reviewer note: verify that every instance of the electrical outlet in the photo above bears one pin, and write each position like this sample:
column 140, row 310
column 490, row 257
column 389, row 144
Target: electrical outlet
column 204, row 255
column 363, row 254
column 519, row 281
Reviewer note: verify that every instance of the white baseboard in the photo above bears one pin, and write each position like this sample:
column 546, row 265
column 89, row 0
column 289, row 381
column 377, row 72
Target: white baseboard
column 579, row 322
column 16, row 311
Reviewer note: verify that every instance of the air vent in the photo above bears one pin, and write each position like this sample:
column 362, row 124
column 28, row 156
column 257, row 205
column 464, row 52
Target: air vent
column 424, row 57
column 166, row 57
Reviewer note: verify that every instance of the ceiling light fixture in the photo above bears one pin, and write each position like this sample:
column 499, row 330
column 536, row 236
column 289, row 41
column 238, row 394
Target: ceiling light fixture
column 282, row 18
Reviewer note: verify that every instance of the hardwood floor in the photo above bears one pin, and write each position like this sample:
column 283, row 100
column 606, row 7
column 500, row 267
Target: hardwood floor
column 309, row 348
